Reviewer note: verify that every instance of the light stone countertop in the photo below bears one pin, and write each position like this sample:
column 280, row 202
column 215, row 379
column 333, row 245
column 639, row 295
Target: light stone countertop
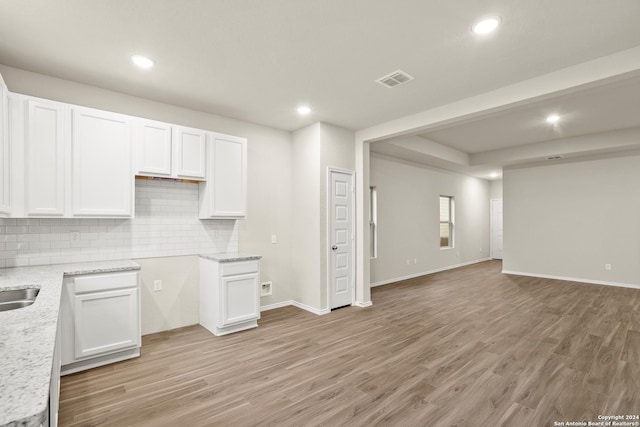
column 27, row 338
column 230, row 257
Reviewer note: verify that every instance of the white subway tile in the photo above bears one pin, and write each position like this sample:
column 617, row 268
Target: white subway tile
column 166, row 224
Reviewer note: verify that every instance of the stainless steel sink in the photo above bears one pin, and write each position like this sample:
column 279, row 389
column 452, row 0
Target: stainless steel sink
column 17, row 298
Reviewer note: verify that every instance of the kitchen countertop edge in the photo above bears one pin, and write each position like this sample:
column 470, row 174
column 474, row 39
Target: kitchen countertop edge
column 230, row 256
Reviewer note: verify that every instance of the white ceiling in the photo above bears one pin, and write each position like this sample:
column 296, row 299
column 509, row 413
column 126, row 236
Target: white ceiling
column 258, row 60
column 599, row 109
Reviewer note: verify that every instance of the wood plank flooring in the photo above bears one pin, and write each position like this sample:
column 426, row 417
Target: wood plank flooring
column 465, row 347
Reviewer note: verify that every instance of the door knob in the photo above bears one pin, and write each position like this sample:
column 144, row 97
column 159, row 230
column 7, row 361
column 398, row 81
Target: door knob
column 334, row 247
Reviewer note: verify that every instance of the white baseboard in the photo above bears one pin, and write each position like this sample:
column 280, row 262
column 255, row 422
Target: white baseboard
column 310, row 309
column 574, row 279
column 276, row 305
column 362, row 304
column 295, row 304
column 424, row 273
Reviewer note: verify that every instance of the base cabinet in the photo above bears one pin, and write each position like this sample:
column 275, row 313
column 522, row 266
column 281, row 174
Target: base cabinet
column 229, row 295
column 100, row 320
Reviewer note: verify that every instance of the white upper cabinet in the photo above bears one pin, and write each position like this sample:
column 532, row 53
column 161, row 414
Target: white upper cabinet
column 224, row 195
column 102, row 173
column 170, row 151
column 189, row 153
column 44, row 154
column 153, row 148
column 5, row 204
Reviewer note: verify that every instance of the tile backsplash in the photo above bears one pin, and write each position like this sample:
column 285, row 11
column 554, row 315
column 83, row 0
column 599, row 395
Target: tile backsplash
column 166, row 224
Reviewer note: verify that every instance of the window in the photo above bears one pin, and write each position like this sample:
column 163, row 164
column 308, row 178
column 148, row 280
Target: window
column 446, row 221
column 373, row 222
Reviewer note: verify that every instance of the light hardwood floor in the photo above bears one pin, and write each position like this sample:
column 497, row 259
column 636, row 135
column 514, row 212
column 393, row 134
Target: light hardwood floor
column 466, row 347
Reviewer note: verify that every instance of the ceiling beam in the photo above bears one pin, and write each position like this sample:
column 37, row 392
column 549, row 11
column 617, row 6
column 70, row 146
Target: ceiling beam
column 604, row 70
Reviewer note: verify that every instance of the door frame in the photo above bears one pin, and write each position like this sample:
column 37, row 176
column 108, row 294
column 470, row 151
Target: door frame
column 491, row 201
column 330, row 170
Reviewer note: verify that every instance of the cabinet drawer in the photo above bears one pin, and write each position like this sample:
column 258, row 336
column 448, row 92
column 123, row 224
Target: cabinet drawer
column 242, row 267
column 84, row 284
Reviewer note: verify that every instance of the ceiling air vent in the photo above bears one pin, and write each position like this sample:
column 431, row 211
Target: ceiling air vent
column 394, row 79
column 553, row 157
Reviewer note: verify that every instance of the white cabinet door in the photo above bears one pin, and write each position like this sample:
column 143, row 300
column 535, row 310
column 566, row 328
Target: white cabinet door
column 44, row 152
column 240, row 299
column 189, row 153
column 5, row 204
column 224, row 195
column 102, row 172
column 153, row 141
column 106, row 321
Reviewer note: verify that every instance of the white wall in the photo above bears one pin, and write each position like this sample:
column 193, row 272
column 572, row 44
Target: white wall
column 408, row 218
column 269, row 212
column 177, row 304
column 570, row 219
column 338, row 151
column 269, row 164
column 305, row 224
column 495, row 189
column 315, row 148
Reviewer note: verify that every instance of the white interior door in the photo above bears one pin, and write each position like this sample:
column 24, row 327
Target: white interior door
column 496, row 229
column 341, row 248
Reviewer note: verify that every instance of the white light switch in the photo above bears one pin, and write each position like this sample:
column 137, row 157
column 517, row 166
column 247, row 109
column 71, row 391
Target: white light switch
column 157, row 285
column 274, row 239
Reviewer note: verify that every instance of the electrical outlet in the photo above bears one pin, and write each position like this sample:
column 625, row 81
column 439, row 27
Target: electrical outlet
column 408, row 261
column 274, row 239
column 157, row 285
column 75, row 235
column 607, row 267
column 266, row 288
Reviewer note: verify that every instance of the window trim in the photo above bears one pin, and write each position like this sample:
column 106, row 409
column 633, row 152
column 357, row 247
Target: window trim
column 373, row 222
column 450, row 222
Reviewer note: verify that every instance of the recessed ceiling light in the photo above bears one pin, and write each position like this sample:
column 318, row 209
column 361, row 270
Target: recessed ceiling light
column 486, row 25
column 553, row 119
column 304, row 110
column 142, row 61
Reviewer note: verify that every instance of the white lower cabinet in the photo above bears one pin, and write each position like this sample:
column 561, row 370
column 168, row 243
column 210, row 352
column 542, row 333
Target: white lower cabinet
column 229, row 295
column 100, row 320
